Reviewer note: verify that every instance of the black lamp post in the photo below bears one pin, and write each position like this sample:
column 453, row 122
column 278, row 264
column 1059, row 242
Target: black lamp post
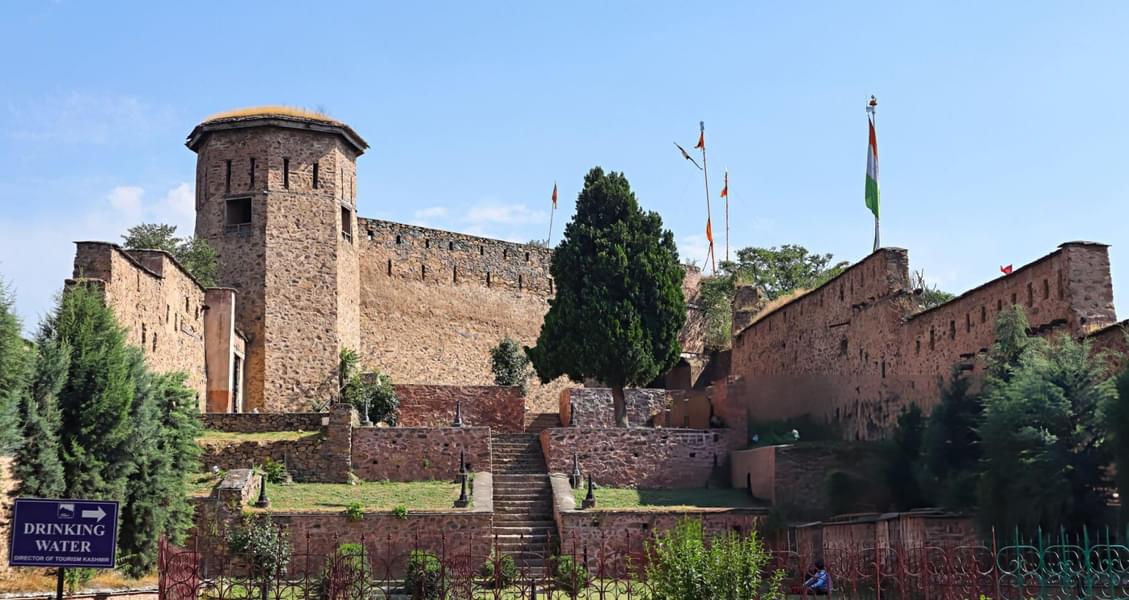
column 575, row 479
column 590, row 499
column 263, row 501
column 462, row 463
column 458, row 414
column 463, row 501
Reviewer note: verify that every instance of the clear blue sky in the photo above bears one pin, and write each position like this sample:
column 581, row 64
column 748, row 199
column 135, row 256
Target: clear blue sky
column 1003, row 126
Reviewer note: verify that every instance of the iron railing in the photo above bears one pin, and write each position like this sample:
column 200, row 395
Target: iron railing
column 1064, row 568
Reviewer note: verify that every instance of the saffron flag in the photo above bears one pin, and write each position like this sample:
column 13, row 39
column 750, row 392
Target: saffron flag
column 554, row 195
column 1006, row 270
column 701, row 141
column 872, row 171
column 687, row 156
column 709, row 231
column 725, row 188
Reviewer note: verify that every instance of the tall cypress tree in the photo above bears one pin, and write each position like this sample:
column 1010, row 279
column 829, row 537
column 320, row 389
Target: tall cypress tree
column 39, row 465
column 145, row 510
column 95, row 401
column 618, row 306
column 14, row 362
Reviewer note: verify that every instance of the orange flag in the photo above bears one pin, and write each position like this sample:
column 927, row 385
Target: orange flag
column 554, row 195
column 725, row 188
column 709, row 231
column 701, row 141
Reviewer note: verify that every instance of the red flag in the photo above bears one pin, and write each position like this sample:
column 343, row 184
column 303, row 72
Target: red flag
column 709, row 232
column 725, row 188
column 1006, row 270
column 701, row 141
column 554, row 195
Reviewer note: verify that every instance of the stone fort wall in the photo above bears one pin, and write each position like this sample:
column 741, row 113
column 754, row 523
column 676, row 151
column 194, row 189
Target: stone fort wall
column 433, row 304
column 158, row 304
column 855, row 351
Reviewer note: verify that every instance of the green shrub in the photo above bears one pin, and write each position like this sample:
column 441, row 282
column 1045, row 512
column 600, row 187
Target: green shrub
column 682, row 566
column 400, row 511
column 265, row 546
column 499, row 571
column 424, row 577
column 274, row 471
column 510, row 364
column 354, row 512
column 569, row 575
column 346, row 576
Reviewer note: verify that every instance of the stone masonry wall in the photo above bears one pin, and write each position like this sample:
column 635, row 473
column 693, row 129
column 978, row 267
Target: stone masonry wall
column 294, row 272
column 158, row 304
column 593, row 407
column 645, row 458
column 497, row 407
column 414, row 454
column 263, row 422
column 855, row 351
column 428, row 315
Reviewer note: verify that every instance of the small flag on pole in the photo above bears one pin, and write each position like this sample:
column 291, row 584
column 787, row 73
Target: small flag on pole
column 701, row 145
column 872, row 170
column 554, row 195
column 687, row 156
column 709, row 233
column 1006, row 270
column 725, row 187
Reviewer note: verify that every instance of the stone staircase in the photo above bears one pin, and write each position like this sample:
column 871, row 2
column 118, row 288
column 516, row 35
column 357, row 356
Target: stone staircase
column 537, row 422
column 523, row 500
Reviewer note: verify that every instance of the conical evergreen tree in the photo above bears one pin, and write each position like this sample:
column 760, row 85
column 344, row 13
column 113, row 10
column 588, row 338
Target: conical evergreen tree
column 15, row 359
column 180, row 427
column 619, row 305
column 95, row 402
column 145, row 510
column 39, row 466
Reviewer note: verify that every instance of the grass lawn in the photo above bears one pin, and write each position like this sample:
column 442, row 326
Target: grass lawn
column 635, row 499
column 200, row 484
column 265, row 436
column 372, row 495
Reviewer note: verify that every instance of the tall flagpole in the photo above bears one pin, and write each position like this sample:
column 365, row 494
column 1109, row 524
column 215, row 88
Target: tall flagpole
column 549, row 242
column 870, row 110
column 706, row 175
column 726, row 215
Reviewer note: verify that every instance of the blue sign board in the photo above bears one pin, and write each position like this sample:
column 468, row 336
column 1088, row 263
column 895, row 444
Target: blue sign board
column 63, row 533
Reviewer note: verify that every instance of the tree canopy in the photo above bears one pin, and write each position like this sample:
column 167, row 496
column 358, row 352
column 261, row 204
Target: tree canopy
column 618, row 307
column 15, row 362
column 195, row 254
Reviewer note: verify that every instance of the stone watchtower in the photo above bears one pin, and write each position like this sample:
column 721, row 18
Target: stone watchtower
column 276, row 197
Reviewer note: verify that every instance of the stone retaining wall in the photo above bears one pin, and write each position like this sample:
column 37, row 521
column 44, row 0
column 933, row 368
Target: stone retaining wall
column 592, row 407
column 616, row 532
column 413, row 454
column 494, row 406
column 262, row 422
column 649, row 458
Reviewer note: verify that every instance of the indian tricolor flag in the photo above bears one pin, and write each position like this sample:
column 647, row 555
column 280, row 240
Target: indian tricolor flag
column 872, row 170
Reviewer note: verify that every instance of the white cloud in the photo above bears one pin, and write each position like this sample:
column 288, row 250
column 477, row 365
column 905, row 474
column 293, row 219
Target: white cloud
column 83, row 118
column 433, row 212
column 692, row 249
column 496, row 213
column 37, row 253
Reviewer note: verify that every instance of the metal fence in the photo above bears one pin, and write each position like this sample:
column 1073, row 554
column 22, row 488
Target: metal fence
column 1065, row 568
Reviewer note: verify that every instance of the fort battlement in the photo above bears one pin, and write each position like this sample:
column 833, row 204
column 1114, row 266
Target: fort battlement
column 438, row 257
column 857, row 349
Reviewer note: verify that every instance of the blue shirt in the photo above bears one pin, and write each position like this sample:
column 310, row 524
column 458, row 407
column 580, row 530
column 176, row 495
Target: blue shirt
column 820, row 581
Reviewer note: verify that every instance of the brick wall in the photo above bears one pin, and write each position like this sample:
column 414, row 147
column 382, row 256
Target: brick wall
column 412, row 454
column 855, row 350
column 592, row 407
column 646, row 458
column 794, row 477
column 1114, row 340
column 493, row 406
column 262, row 422
column 158, row 305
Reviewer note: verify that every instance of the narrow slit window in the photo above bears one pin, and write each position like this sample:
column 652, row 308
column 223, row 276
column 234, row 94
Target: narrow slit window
column 454, row 274
column 251, row 175
column 154, row 341
column 526, row 257
column 481, row 251
column 1030, row 294
column 286, row 173
column 1046, row 289
column 952, row 329
column 427, row 243
column 520, row 282
column 399, row 240
column 450, row 245
column 983, row 314
column 967, row 322
column 932, row 339
column 423, row 271
column 315, row 177
column 371, row 235
column 999, row 306
column 227, row 178
column 390, row 267
column 505, row 253
column 843, row 347
column 346, row 224
column 918, row 350
column 1013, row 298
column 488, row 279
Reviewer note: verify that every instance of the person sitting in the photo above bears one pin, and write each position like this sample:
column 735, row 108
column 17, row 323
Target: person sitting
column 819, row 584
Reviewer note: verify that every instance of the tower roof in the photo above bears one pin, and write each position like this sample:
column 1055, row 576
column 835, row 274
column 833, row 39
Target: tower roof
column 274, row 116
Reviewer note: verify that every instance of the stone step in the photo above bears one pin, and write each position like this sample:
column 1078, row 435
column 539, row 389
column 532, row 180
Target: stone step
column 520, row 520
column 519, row 488
column 542, row 526
column 519, row 494
column 521, row 477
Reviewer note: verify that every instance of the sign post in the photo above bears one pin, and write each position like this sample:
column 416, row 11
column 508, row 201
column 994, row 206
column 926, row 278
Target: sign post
column 63, row 533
